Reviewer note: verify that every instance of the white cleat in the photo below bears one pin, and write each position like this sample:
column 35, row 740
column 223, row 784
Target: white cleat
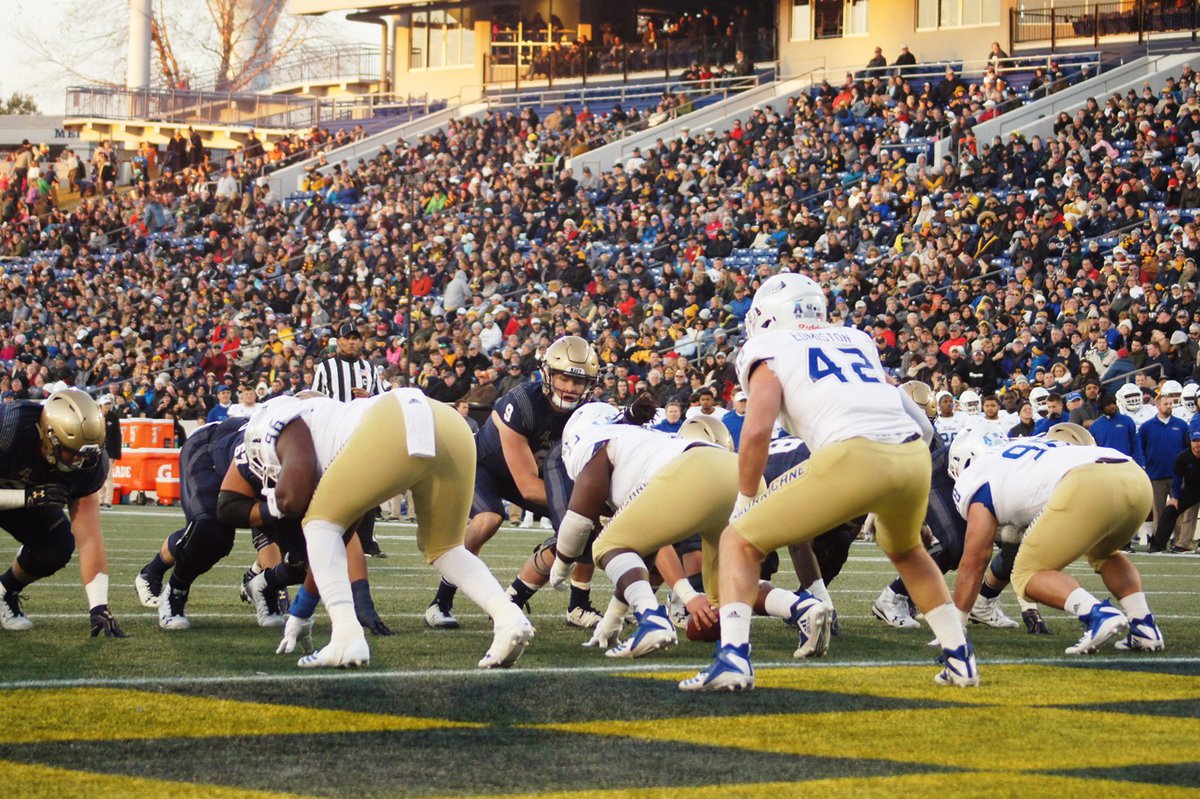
column 989, row 612
column 730, row 670
column 510, row 640
column 583, row 617
column 1144, row 636
column 11, row 615
column 256, row 592
column 958, row 668
column 1101, row 625
column 347, row 655
column 146, row 592
column 892, row 609
column 172, row 606
column 438, row 619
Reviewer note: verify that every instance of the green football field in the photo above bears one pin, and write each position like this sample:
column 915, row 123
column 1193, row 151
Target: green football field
column 213, row 711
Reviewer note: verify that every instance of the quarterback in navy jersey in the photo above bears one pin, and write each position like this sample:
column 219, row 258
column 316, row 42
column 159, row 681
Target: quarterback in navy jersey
column 514, row 465
column 52, row 461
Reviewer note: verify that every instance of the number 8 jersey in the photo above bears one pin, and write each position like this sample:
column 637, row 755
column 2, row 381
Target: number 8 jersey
column 834, row 386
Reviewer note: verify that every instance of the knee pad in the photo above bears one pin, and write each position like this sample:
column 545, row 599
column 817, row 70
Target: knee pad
column 769, row 566
column 52, row 551
column 543, row 556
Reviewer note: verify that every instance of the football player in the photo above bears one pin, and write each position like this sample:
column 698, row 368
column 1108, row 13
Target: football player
column 992, row 419
column 829, row 388
column 51, row 458
column 329, row 463
column 512, row 447
column 1188, row 401
column 1077, row 501
column 1037, row 400
column 970, row 403
column 1133, row 404
column 1174, row 390
column 949, row 422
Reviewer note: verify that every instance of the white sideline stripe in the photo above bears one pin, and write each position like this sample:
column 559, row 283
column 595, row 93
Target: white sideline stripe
column 339, row 676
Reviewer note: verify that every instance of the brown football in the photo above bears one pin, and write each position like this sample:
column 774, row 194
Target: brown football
column 703, row 632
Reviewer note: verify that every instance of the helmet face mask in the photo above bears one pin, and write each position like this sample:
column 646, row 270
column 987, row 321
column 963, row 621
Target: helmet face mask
column 1189, row 397
column 1174, row 390
column 262, row 435
column 72, row 430
column 570, row 369
column 1129, row 398
column 970, row 403
column 1039, row 399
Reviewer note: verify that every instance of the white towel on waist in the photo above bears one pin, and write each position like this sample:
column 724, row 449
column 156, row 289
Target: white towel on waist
column 418, row 422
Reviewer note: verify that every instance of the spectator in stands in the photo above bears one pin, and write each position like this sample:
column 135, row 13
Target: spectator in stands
column 877, row 63
column 904, row 62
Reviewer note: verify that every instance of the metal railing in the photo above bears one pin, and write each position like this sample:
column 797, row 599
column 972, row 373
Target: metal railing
column 237, row 109
column 622, row 93
column 356, row 62
column 1102, row 19
column 528, row 60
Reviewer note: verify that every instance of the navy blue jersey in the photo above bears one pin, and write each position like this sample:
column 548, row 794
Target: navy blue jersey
column 224, row 443
column 527, row 411
column 203, row 461
column 22, row 462
column 784, row 455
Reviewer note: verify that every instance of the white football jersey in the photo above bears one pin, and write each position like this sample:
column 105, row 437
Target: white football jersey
column 834, row 386
column 1023, row 474
column 330, row 422
column 636, row 454
column 717, row 414
column 1182, row 413
column 982, row 424
column 948, row 427
column 1144, row 414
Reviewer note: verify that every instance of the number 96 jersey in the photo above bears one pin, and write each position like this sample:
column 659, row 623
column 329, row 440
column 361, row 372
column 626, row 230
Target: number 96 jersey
column 834, row 386
column 1023, row 474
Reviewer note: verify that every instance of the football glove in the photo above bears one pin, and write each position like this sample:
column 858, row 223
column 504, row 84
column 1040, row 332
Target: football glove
column 46, row 495
column 103, row 622
column 560, row 574
column 296, row 631
column 641, row 411
column 1034, row 625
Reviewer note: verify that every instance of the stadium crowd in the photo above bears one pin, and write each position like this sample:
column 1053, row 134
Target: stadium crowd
column 1014, row 263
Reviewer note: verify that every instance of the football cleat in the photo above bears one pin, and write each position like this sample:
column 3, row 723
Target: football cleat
column 892, row 609
column 149, row 587
column 810, row 617
column 439, row 618
column 1034, row 623
column 958, row 668
column 265, row 602
column 730, row 670
column 835, row 624
column 250, row 574
column 11, row 615
column 584, row 617
column 1101, row 625
column 172, row 605
column 1144, row 636
column 988, row 612
column 510, row 640
column 655, row 631
column 348, row 655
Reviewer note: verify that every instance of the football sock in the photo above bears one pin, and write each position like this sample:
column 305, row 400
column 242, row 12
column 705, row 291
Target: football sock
column 179, row 583
column 480, row 586
column 520, row 592
column 1025, row 604
column 1135, row 605
column 12, row 584
column 897, row 587
column 157, row 567
column 581, row 595
column 278, row 577
column 947, row 624
column 445, row 594
column 327, row 559
column 640, row 596
column 778, row 603
column 989, row 591
column 614, row 615
column 818, row 590
column 735, row 623
column 1080, row 603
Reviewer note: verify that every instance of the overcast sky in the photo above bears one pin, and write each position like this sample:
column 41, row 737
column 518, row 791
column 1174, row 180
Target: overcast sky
column 21, row 71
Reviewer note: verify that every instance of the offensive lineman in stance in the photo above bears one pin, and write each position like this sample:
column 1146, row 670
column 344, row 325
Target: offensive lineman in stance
column 52, row 457
column 329, row 463
column 829, row 388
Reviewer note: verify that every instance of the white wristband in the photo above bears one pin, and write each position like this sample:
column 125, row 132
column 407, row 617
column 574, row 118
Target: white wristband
column 97, row 591
column 272, row 503
column 12, row 498
column 683, row 589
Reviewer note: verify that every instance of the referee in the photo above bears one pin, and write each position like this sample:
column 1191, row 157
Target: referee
column 348, row 376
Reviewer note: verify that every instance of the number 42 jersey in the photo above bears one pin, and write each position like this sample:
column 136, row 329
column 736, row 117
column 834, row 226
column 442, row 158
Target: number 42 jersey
column 834, row 386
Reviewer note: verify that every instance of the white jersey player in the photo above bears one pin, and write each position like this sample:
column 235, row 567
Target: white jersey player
column 948, row 423
column 992, row 420
column 1132, row 403
column 1174, row 390
column 1076, row 501
column 828, row 387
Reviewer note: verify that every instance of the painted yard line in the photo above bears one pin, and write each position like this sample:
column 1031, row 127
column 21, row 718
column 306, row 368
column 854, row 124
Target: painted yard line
column 627, row 668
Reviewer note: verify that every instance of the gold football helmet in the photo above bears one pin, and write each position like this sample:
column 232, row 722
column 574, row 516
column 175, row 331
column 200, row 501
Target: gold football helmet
column 1069, row 433
column 921, row 394
column 574, row 357
column 706, row 428
column 71, row 429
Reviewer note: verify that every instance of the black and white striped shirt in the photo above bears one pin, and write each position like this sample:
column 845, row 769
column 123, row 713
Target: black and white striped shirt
column 337, row 376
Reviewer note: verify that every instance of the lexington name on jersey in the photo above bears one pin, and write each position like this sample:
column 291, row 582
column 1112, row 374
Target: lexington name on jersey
column 636, row 454
column 1022, row 475
column 834, row 386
